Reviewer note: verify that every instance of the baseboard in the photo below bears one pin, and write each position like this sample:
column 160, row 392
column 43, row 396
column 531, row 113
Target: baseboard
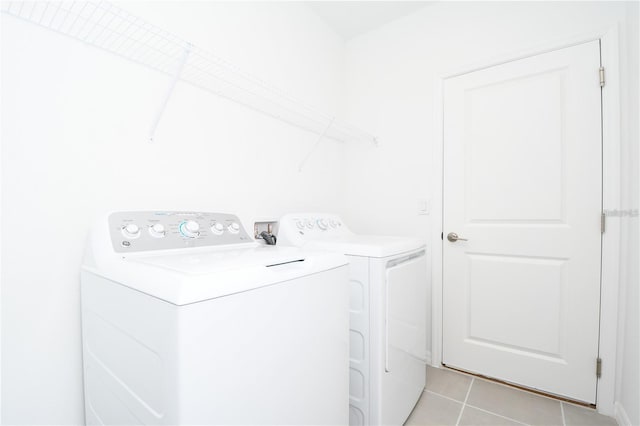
column 427, row 357
column 621, row 415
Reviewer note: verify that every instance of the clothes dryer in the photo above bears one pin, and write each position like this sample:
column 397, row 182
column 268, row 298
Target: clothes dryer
column 388, row 317
column 186, row 320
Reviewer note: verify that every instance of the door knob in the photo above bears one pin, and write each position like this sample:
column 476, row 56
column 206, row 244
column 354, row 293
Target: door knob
column 453, row 237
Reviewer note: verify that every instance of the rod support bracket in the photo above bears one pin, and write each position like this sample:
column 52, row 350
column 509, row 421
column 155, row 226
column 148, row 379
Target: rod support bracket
column 315, row 146
column 172, row 84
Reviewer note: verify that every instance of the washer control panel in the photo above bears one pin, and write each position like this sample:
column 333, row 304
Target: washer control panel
column 162, row 230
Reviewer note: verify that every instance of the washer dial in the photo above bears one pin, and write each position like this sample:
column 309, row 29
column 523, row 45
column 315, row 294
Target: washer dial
column 217, row 228
column 234, row 228
column 190, row 229
column 157, row 230
column 131, row 231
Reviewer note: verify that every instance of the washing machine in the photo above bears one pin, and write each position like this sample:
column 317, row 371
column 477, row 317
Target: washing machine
column 388, row 316
column 187, row 320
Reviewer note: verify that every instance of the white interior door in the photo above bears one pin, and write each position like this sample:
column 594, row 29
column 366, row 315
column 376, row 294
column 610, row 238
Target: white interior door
column 523, row 185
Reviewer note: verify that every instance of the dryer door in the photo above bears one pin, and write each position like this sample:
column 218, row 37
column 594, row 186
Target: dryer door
column 405, row 336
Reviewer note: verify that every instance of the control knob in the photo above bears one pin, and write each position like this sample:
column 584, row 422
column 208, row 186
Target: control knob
column 190, row 229
column 131, row 230
column 322, row 224
column 234, row 228
column 157, row 230
column 217, row 228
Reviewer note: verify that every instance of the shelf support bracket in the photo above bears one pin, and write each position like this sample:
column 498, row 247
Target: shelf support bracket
column 315, row 146
column 172, row 84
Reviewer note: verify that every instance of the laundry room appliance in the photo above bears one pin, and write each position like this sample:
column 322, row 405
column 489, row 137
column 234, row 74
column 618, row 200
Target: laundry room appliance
column 388, row 302
column 187, row 320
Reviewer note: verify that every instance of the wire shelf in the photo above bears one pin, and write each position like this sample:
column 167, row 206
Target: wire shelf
column 108, row 27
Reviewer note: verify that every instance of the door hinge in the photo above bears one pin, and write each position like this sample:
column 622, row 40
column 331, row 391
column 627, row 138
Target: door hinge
column 598, row 367
column 601, row 76
column 603, row 219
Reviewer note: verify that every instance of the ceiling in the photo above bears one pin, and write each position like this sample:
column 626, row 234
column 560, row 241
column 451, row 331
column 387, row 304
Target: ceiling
column 352, row 18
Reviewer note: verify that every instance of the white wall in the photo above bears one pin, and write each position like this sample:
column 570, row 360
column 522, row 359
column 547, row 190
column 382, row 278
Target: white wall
column 628, row 386
column 75, row 122
column 70, row 114
column 390, row 75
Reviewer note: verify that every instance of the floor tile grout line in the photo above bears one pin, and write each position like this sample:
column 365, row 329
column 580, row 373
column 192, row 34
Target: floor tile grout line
column 464, row 404
column 497, row 415
column 444, row 396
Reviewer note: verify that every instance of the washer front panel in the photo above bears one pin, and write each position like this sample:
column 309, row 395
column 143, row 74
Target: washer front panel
column 161, row 230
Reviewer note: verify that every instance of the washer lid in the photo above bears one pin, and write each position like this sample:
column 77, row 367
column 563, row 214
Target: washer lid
column 366, row 245
column 193, row 263
column 188, row 276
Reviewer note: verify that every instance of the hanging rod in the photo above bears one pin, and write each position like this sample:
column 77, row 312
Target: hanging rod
column 110, row 28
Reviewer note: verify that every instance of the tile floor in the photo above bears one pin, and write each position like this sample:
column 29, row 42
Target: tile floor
column 453, row 398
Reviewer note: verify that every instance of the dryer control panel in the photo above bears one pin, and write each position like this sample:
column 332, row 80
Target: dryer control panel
column 161, row 230
column 297, row 228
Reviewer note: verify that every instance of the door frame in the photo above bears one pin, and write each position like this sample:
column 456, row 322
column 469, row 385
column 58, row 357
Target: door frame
column 609, row 286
